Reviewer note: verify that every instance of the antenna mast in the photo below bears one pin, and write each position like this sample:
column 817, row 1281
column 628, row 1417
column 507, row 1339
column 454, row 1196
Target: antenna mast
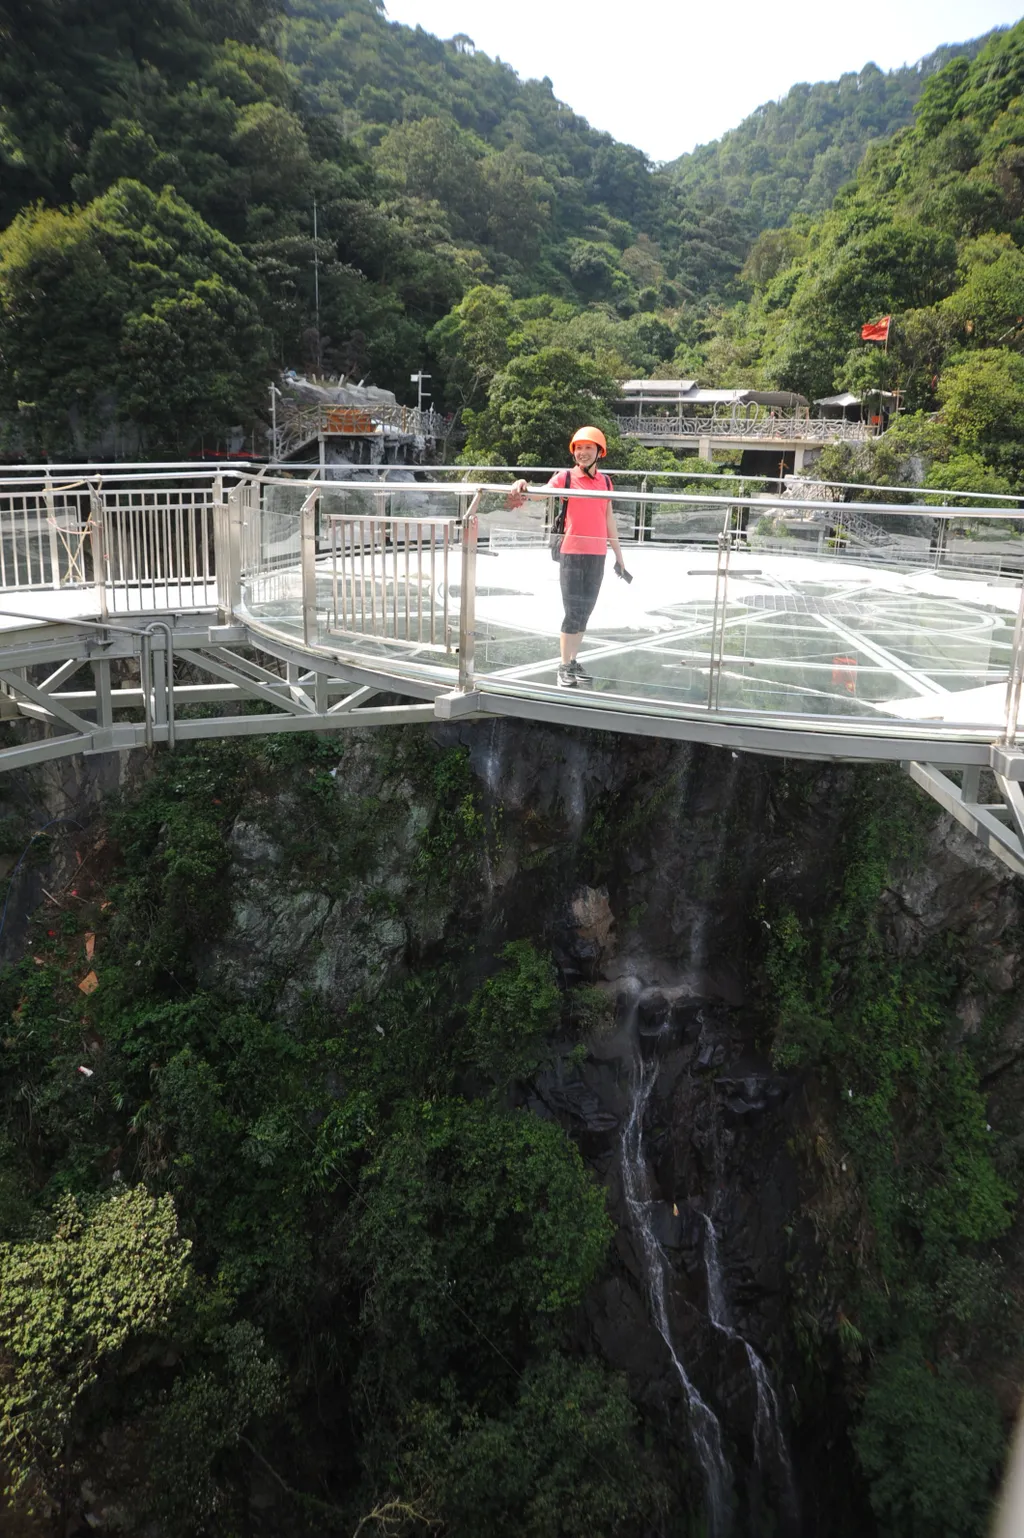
column 316, row 284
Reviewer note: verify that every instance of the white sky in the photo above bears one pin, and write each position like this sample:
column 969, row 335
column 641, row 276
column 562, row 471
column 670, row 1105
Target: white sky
column 669, row 76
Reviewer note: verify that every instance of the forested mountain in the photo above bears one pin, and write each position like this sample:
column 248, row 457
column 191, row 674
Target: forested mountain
column 792, row 156
column 159, row 172
column 432, row 167
column 930, row 232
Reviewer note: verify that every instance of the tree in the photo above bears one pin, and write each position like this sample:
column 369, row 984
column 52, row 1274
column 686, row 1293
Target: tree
column 472, row 1216
column 988, row 306
column 69, row 1304
column 562, row 1462
column 535, row 404
column 929, row 1443
column 771, row 253
column 982, row 399
column 472, row 342
column 433, row 159
column 131, row 309
column 512, row 1012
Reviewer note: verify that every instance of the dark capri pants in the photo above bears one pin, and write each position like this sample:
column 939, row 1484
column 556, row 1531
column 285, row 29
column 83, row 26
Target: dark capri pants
column 581, row 577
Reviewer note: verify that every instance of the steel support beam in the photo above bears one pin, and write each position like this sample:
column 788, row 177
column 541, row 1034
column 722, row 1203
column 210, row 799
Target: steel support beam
column 789, row 741
column 319, row 691
column 981, row 820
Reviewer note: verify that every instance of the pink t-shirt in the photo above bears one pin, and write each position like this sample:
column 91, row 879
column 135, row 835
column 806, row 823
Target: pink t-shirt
column 586, row 520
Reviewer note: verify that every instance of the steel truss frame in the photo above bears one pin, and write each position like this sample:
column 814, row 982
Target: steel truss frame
column 102, row 716
column 313, row 691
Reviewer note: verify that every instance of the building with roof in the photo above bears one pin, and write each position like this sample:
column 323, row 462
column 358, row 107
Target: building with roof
column 774, row 429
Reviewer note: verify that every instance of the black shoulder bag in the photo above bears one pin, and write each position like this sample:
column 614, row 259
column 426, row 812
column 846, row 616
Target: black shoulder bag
column 558, row 522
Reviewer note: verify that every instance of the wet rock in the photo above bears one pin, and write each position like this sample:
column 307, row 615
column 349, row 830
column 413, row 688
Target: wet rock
column 710, row 1054
column 689, row 1019
column 652, row 1012
column 958, row 887
column 668, row 1224
column 748, row 1095
column 580, row 1103
column 593, row 917
column 252, row 845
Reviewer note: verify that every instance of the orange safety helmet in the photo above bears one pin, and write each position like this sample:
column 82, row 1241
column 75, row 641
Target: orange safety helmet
column 589, row 435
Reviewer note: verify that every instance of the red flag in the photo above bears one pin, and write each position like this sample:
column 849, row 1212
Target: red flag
column 876, row 330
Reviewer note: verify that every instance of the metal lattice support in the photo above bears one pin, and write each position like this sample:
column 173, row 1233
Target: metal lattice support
column 224, row 672
column 999, row 825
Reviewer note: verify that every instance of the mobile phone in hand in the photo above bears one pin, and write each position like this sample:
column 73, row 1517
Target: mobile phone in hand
column 620, row 571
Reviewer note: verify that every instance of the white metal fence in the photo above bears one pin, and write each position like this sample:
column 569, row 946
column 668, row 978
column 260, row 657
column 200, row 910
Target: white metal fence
column 139, row 546
column 773, row 429
column 390, row 578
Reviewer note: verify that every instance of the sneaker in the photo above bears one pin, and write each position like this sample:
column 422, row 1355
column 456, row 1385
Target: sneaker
column 566, row 677
column 582, row 676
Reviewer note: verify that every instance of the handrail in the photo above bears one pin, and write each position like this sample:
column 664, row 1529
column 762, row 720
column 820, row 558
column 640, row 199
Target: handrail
column 773, row 429
column 117, row 471
column 759, row 504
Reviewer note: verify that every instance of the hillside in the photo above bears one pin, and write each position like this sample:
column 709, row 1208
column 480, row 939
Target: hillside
column 158, row 177
column 791, row 156
column 930, row 232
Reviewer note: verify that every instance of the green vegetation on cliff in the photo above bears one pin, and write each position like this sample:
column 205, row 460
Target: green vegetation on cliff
column 911, row 1188
column 357, row 1268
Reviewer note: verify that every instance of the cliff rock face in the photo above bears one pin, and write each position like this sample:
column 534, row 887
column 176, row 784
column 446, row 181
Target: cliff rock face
column 654, row 873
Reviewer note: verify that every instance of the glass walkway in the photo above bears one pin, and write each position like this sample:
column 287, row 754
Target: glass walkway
column 787, row 622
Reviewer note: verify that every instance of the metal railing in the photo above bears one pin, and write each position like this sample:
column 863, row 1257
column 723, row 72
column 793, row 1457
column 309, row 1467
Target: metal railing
column 389, row 577
column 774, row 429
column 371, row 584
column 139, row 542
column 416, row 578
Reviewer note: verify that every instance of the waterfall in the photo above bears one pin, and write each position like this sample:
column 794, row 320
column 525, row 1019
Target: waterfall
column 704, row 1426
column 769, row 1440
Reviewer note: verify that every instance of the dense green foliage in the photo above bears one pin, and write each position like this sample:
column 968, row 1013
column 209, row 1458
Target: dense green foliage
column 70, row 1302
column 432, row 168
column 792, row 156
column 351, row 1264
column 334, row 1221
column 186, row 152
column 929, row 232
column 912, row 1182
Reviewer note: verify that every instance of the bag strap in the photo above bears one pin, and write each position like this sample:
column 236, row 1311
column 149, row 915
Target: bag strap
column 558, row 526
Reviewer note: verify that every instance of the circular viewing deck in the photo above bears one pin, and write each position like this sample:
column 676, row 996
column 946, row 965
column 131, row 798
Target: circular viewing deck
column 809, row 629
column 787, row 625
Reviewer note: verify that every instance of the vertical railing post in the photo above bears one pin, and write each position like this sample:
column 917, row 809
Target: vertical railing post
column 640, row 518
column 940, row 540
column 307, row 542
column 1013, row 683
column 227, row 549
column 97, row 541
column 51, row 523
column 467, row 598
column 217, row 500
column 717, row 647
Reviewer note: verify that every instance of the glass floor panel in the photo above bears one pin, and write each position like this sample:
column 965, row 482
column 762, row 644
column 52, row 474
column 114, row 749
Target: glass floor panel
column 790, row 634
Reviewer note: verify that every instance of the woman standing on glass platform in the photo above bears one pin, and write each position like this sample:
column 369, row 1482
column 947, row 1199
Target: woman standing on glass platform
column 588, row 531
